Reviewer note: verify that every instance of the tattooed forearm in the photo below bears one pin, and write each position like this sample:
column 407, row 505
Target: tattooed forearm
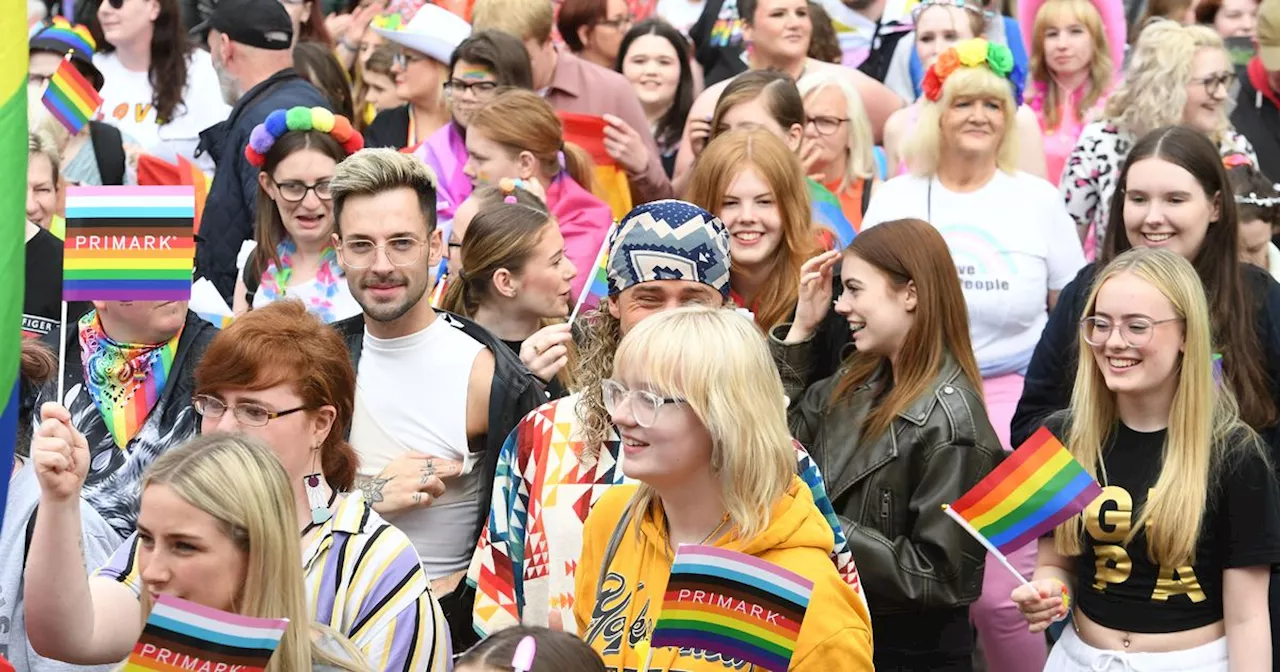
column 371, row 486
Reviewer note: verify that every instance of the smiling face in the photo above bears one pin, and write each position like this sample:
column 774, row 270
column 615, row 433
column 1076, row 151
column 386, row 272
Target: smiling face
column 42, row 191
column 1206, row 102
column 653, row 68
column 488, row 161
column 395, row 221
column 938, row 28
column 635, row 303
column 187, row 553
column 1153, row 366
column 780, row 30
column 293, row 438
column 879, row 313
column 973, row 126
column 750, row 212
column 309, row 221
column 675, row 450
column 1164, row 206
column 1068, row 46
column 1237, row 18
column 132, row 23
column 471, row 85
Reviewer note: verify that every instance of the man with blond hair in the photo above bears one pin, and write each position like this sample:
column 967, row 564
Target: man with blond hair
column 571, row 84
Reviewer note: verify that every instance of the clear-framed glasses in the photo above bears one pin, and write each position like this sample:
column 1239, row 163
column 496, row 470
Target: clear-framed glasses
column 402, row 59
column 1136, row 332
column 621, row 22
column 1211, row 83
column 399, row 251
column 826, row 125
column 294, row 191
column 248, row 415
column 644, row 405
column 457, row 87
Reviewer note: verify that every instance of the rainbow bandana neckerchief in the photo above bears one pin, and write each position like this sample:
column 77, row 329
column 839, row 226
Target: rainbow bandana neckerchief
column 124, row 380
column 977, row 52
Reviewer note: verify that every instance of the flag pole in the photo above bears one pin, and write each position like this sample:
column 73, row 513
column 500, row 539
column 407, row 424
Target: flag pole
column 62, row 356
column 987, row 544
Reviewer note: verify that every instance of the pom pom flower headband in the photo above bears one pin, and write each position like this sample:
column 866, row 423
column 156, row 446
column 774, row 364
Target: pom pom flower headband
column 974, row 53
column 282, row 121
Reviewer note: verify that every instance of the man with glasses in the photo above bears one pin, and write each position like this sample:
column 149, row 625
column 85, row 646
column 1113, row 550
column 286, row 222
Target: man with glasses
column 435, row 393
column 252, row 46
column 562, row 457
column 418, row 69
column 1257, row 113
column 574, row 85
column 480, row 65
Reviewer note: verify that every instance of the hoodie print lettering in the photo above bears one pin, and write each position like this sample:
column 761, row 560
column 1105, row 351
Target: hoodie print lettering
column 609, row 620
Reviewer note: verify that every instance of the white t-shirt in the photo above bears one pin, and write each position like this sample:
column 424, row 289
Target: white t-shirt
column 1012, row 243
column 681, row 13
column 126, row 104
column 411, row 395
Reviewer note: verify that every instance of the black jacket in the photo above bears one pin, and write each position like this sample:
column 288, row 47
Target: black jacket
column 1257, row 119
column 514, row 393
column 888, row 491
column 229, row 212
column 389, row 129
column 1052, row 372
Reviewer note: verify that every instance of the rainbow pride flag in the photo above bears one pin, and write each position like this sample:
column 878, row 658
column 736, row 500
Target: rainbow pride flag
column 129, row 244
column 70, row 97
column 154, row 171
column 611, row 183
column 1033, row 490
column 13, row 196
column 597, row 288
column 182, row 635
column 828, row 214
column 733, row 604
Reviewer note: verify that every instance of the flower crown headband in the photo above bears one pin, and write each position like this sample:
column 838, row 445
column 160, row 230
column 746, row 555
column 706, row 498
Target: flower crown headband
column 282, row 121
column 974, row 53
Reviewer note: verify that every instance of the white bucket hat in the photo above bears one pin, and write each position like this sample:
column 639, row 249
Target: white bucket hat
column 434, row 31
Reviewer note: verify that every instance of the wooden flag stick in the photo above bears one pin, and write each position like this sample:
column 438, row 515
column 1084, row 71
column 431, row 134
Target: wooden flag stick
column 987, row 544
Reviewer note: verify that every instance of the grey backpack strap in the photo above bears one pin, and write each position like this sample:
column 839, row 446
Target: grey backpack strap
column 612, row 549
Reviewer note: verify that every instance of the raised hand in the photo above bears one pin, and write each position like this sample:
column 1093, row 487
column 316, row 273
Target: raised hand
column 815, row 296
column 60, row 455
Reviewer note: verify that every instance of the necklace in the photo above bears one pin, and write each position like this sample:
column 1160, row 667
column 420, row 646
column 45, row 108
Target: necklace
column 671, row 551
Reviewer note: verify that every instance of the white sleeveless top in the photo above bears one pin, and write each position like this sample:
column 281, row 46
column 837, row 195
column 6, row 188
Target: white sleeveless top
column 411, row 396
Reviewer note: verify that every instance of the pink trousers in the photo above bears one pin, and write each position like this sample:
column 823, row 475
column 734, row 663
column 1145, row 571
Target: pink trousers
column 1002, row 632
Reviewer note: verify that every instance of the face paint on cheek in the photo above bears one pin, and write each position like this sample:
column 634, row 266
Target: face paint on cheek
column 474, row 73
column 483, row 176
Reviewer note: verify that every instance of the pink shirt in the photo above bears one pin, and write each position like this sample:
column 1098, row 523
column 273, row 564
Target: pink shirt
column 584, row 223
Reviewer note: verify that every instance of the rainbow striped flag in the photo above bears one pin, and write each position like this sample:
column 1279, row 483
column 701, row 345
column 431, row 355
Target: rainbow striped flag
column 13, row 196
column 154, row 171
column 129, row 244
column 828, row 214
column 611, row 183
column 597, row 288
column 733, row 604
column 1033, row 490
column 182, row 635
column 70, row 97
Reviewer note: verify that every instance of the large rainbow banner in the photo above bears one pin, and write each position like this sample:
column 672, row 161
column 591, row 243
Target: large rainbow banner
column 13, row 195
column 182, row 635
column 129, row 244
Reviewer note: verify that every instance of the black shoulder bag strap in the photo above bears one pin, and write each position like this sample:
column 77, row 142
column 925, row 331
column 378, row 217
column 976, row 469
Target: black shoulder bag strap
column 108, row 147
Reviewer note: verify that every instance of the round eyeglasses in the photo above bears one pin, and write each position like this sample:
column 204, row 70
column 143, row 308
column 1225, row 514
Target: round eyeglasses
column 1135, row 332
column 644, row 405
column 248, row 415
column 363, row 253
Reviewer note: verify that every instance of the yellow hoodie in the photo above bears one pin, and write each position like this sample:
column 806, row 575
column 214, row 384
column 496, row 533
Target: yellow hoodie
column 835, row 635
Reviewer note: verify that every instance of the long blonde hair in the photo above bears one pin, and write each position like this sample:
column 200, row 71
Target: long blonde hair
column 720, row 164
column 718, row 363
column 239, row 482
column 1153, row 92
column 1100, row 67
column 924, row 148
column 1201, row 418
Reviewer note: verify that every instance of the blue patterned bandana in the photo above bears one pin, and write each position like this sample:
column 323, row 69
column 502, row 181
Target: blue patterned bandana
column 669, row 240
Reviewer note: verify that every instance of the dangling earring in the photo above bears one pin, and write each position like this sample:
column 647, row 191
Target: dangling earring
column 320, row 512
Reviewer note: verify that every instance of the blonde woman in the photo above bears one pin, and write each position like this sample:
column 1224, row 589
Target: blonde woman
column 1169, row 568
column 1074, row 58
column 1014, row 248
column 697, row 400
column 837, row 150
column 1176, row 75
column 216, row 528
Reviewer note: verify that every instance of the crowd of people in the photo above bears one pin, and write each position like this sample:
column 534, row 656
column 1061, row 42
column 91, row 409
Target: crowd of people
column 524, row 295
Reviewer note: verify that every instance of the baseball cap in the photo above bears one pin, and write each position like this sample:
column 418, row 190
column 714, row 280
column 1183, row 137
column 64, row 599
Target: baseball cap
column 434, row 31
column 62, row 38
column 1269, row 34
column 257, row 23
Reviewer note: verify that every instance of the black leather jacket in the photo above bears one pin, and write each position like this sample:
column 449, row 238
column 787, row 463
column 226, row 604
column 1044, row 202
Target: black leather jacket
column 888, row 492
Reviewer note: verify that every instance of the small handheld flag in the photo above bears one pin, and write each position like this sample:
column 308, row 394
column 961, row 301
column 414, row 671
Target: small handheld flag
column 611, row 183
column 1033, row 490
column 182, row 635
column 733, row 604
column 70, row 97
column 597, row 288
column 129, row 244
column 828, row 214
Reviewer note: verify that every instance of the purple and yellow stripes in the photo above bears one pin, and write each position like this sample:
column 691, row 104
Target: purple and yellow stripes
column 70, row 97
column 129, row 243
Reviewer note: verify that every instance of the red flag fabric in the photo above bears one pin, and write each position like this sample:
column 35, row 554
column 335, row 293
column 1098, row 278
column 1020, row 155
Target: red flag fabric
column 611, row 185
column 156, row 172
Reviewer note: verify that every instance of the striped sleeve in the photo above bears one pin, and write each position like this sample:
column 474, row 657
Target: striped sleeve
column 122, row 567
column 390, row 613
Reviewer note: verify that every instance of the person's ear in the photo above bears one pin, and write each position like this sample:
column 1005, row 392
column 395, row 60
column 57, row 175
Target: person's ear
column 435, row 248
column 268, row 186
column 584, row 36
column 154, row 11
column 505, row 284
column 614, row 309
column 528, row 164
column 910, row 298
column 1216, row 213
column 322, row 423
column 795, row 135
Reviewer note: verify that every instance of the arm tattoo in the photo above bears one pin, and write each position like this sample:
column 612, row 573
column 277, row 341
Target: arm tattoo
column 371, row 486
